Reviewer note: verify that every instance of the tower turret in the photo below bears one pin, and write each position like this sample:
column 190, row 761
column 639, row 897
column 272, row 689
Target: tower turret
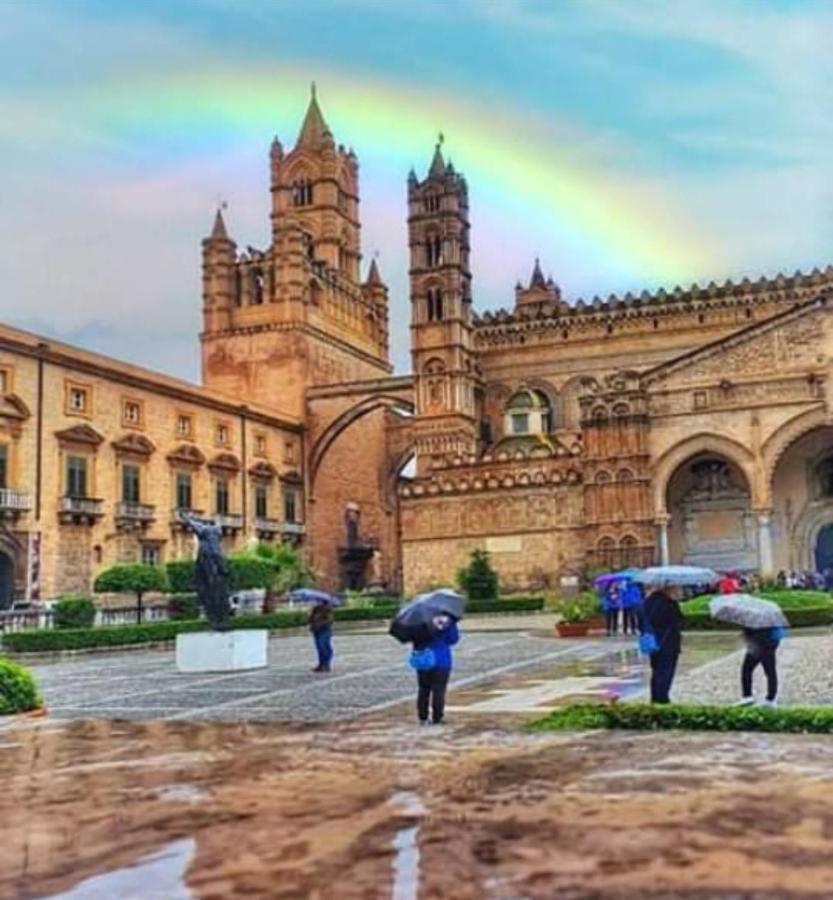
column 441, row 315
column 218, row 274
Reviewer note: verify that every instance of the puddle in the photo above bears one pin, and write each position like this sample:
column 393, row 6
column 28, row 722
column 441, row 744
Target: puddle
column 157, row 876
column 406, row 861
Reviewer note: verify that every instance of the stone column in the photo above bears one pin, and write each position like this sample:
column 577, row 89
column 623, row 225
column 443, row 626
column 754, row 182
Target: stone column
column 765, row 543
column 662, row 538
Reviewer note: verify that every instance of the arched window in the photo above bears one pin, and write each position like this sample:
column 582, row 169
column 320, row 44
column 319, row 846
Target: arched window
column 629, row 550
column 434, row 372
column 606, row 551
column 257, row 287
column 435, row 305
column 599, row 414
column 434, row 251
column 621, row 410
column 302, row 192
column 624, row 475
column 603, row 477
column 528, row 412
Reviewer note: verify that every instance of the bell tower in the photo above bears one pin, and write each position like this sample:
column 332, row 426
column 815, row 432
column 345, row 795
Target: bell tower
column 441, row 316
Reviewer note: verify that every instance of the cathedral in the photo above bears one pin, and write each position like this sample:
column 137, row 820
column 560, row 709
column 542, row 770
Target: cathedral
column 691, row 425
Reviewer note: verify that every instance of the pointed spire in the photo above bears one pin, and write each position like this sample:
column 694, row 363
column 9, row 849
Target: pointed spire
column 314, row 129
column 537, row 279
column 373, row 276
column 437, row 169
column 218, row 232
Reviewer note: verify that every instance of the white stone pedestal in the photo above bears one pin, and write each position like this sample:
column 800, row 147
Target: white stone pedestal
column 221, row 651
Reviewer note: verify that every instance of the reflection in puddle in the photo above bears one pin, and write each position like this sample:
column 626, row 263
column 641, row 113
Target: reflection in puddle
column 158, row 876
column 406, row 861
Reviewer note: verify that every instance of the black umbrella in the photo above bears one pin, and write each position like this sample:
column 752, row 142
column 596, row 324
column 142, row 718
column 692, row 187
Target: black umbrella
column 414, row 622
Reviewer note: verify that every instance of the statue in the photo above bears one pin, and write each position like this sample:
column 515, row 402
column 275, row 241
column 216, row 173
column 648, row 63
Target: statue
column 211, row 573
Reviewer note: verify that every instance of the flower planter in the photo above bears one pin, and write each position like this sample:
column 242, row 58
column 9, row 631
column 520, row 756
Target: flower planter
column 572, row 629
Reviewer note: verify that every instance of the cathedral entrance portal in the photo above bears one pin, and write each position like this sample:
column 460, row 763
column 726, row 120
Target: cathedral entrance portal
column 824, row 548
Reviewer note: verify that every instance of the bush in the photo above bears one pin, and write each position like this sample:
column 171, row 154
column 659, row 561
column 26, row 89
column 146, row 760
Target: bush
column 581, row 608
column 181, row 576
column 48, row 641
column 249, row 572
column 478, row 580
column 18, row 692
column 73, row 612
column 183, row 606
column 645, row 717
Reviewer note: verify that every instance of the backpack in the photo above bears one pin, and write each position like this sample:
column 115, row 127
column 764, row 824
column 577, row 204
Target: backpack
column 422, row 660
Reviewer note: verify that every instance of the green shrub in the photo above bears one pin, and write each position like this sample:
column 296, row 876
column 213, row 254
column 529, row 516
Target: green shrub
column 50, row 640
column 787, row 600
column 73, row 612
column 18, row 692
column 478, row 580
column 645, row 717
column 183, row 607
column 802, row 617
column 181, row 576
column 291, row 570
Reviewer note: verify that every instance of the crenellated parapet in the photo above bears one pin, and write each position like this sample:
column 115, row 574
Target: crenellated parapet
column 730, row 303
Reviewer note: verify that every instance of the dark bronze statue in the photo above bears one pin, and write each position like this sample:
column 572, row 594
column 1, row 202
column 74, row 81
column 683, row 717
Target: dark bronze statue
column 211, row 573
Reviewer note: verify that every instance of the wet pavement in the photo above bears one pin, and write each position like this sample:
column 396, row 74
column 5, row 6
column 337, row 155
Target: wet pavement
column 509, row 671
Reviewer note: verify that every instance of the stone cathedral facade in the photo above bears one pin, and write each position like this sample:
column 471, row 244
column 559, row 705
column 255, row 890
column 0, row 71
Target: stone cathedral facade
column 688, row 425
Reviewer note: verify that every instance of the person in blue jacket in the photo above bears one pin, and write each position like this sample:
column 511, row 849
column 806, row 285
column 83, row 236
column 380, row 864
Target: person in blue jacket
column 433, row 682
column 662, row 617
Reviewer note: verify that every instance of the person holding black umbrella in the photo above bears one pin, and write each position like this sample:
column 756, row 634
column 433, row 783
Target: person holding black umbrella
column 662, row 618
column 432, row 682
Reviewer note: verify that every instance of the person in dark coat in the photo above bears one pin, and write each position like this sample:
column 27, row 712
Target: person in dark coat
column 662, row 617
column 433, row 682
column 320, row 621
column 761, row 646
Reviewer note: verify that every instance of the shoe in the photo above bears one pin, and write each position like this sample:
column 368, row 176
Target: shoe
column 318, row 669
column 768, row 703
column 424, row 723
column 745, row 701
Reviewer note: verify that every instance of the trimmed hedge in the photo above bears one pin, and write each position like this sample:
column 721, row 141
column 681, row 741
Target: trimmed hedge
column 51, row 640
column 73, row 612
column 18, row 692
column 645, row 717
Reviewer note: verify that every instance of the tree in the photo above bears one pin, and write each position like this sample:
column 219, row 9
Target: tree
column 478, row 580
column 136, row 578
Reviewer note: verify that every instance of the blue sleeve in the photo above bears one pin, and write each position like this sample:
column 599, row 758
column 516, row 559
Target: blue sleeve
column 451, row 635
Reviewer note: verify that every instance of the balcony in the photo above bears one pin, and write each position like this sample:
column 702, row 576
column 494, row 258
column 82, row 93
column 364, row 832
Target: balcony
column 80, row 510
column 13, row 503
column 130, row 515
column 176, row 522
column 293, row 529
column 229, row 522
column 267, row 528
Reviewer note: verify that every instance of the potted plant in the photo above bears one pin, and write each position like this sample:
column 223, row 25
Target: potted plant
column 575, row 615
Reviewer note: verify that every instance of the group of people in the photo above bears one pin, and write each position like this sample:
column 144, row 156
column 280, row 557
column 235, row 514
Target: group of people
column 662, row 618
column 807, row 581
column 621, row 601
column 432, row 680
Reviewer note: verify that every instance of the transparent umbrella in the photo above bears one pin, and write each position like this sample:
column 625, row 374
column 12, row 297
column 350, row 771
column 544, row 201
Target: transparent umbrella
column 680, row 576
column 747, row 611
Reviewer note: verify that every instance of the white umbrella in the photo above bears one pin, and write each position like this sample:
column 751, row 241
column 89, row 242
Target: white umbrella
column 747, row 611
column 681, row 576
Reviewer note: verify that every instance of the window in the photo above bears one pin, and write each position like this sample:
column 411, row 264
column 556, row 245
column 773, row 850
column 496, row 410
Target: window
column 290, row 512
column 257, row 287
column 221, row 434
column 131, row 413
column 184, row 426
column 5, row 380
column 130, row 479
column 434, row 251
column 260, row 444
column 261, row 501
column 183, row 490
column 435, row 305
column 289, row 453
column 4, row 466
column 302, row 192
column 221, row 496
column 78, row 399
column 520, row 423
column 76, row 476
column 151, row 554
column 431, row 202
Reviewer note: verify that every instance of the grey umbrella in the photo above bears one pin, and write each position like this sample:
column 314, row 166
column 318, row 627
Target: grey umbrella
column 747, row 611
column 413, row 622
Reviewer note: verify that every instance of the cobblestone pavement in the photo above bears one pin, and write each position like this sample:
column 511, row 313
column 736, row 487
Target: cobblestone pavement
column 370, row 675
column 804, row 672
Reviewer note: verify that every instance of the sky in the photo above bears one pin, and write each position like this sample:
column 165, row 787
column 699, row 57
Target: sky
column 630, row 144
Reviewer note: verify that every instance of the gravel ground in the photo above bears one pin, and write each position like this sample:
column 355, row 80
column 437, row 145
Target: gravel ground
column 804, row 672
